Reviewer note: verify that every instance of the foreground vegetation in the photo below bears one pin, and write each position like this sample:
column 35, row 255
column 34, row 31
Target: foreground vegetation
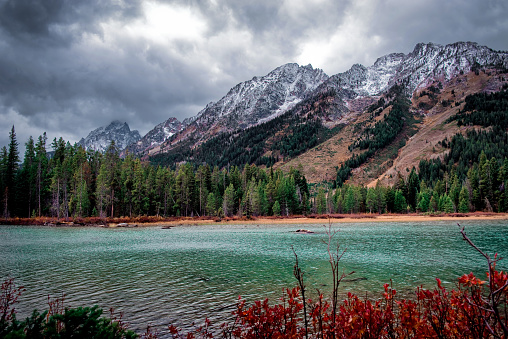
column 475, row 309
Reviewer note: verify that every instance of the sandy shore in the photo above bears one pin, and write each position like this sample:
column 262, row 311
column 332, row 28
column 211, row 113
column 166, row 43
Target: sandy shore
column 341, row 219
column 313, row 219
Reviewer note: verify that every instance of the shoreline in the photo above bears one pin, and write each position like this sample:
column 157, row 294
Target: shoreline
column 335, row 220
column 203, row 221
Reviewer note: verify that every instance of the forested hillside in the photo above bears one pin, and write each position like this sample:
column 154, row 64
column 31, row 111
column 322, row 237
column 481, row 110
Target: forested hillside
column 281, row 138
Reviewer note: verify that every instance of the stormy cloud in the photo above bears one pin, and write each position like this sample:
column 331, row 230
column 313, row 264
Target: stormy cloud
column 70, row 66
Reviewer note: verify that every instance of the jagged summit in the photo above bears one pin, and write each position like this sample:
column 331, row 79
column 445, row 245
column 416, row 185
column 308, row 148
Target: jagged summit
column 100, row 138
column 257, row 100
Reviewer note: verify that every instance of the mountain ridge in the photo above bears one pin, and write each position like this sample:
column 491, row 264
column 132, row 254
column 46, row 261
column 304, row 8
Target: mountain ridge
column 100, row 138
column 296, row 89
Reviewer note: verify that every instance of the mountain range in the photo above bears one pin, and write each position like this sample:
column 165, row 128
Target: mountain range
column 292, row 94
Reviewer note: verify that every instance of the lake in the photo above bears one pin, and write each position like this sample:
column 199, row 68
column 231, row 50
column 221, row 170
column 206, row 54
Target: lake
column 184, row 274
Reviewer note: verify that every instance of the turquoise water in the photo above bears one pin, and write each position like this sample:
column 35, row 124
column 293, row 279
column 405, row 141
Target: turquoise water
column 185, row 274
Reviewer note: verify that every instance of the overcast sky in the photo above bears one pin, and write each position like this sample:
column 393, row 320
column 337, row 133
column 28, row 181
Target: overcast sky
column 70, row 66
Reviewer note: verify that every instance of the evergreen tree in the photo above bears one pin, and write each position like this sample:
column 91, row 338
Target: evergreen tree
column 42, row 172
column 448, row 205
column 423, row 200
column 276, row 208
column 28, row 179
column 11, row 167
column 108, row 181
column 399, row 202
column 210, row 204
column 370, row 201
column 321, row 201
column 413, row 185
column 463, row 206
column 474, row 181
column 228, row 204
column 351, row 200
column 390, row 199
column 455, row 189
column 433, row 204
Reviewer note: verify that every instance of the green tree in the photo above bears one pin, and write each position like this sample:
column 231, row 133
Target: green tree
column 474, row 180
column 228, row 204
column 413, row 186
column 108, row 181
column 399, row 202
column 28, row 179
column 448, row 206
column 11, row 167
column 371, row 201
column 276, row 208
column 185, row 190
column 42, row 172
column 463, row 200
column 211, row 207
column 321, row 201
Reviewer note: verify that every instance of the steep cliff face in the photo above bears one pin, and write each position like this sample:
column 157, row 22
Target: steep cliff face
column 100, row 138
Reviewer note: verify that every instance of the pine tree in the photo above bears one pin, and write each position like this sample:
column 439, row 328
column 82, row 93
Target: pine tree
column 350, row 203
column 108, row 181
column 448, row 206
column 28, row 177
column 399, row 203
column 463, row 200
column 370, row 201
column 455, row 189
column 276, row 208
column 42, row 174
column 228, row 205
column 321, row 201
column 433, row 204
column 210, row 205
column 11, row 167
column 474, row 180
column 413, row 185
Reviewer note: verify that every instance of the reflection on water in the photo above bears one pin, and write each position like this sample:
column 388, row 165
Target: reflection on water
column 184, row 274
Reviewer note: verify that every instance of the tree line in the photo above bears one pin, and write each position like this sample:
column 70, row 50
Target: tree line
column 72, row 182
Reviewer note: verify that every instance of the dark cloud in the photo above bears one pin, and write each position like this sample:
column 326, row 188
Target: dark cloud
column 70, row 66
column 30, row 16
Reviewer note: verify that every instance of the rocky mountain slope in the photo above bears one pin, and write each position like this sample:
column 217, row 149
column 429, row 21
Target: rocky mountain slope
column 100, row 138
column 252, row 102
column 156, row 136
column 306, row 100
column 264, row 98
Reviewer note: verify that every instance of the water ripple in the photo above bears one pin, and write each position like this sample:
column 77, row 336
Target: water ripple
column 160, row 277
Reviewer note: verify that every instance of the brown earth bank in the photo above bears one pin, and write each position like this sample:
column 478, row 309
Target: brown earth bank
column 295, row 219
